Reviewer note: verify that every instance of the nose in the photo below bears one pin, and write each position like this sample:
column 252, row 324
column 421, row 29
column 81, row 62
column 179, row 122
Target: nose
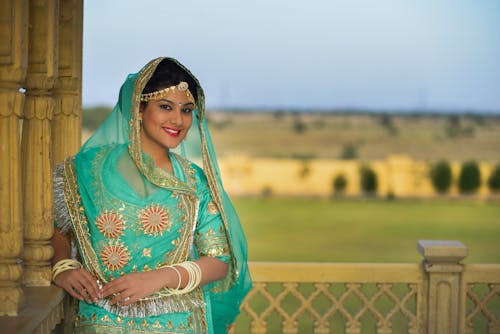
column 177, row 118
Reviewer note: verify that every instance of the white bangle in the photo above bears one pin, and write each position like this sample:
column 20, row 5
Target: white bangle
column 179, row 277
column 64, row 265
column 194, row 278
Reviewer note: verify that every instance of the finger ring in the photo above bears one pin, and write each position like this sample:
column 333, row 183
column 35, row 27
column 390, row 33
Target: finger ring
column 126, row 299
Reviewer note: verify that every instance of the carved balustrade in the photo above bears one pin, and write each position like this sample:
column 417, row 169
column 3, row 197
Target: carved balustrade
column 439, row 296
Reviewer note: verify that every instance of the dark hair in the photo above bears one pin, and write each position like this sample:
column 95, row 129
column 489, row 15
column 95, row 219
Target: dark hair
column 169, row 73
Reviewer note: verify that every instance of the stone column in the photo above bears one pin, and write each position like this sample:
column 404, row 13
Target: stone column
column 36, row 142
column 444, row 271
column 13, row 58
column 66, row 125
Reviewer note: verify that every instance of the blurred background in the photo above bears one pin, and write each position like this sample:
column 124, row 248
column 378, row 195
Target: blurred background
column 351, row 129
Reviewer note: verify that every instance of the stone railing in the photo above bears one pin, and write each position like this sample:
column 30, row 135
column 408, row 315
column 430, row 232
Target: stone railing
column 439, row 296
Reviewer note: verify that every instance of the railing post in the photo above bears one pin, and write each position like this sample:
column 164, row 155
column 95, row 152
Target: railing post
column 443, row 274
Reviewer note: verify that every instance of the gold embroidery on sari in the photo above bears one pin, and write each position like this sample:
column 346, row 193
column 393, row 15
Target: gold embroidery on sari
column 212, row 208
column 232, row 277
column 79, row 221
column 194, row 323
column 146, row 252
column 212, row 243
column 152, row 305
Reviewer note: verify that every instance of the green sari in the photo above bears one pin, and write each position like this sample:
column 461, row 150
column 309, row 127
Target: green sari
column 128, row 215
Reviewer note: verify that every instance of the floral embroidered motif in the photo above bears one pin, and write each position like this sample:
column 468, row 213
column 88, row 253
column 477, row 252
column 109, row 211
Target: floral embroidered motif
column 154, row 220
column 115, row 256
column 110, row 224
column 212, row 208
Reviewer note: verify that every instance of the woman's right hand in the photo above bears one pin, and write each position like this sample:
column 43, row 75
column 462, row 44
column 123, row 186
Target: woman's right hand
column 80, row 284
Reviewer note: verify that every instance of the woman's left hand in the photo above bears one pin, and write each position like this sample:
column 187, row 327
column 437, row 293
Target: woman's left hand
column 132, row 287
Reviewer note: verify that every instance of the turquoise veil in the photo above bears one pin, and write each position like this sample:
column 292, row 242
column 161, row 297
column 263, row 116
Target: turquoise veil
column 122, row 127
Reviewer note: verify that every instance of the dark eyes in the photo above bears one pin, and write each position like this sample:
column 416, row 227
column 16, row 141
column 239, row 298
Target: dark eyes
column 165, row 106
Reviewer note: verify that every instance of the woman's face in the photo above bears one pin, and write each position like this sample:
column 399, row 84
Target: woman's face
column 165, row 122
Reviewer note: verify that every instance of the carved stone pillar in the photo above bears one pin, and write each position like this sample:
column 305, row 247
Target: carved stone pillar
column 66, row 125
column 36, row 142
column 13, row 57
column 442, row 265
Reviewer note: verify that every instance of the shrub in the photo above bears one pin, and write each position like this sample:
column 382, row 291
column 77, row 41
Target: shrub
column 339, row 184
column 266, row 191
column 469, row 179
column 299, row 126
column 368, row 180
column 349, row 151
column 441, row 177
column 494, row 179
column 305, row 170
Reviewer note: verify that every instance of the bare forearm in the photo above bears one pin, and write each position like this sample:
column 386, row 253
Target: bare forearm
column 130, row 288
column 61, row 245
column 211, row 269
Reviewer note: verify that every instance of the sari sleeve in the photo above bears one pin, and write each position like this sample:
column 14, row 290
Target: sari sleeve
column 210, row 237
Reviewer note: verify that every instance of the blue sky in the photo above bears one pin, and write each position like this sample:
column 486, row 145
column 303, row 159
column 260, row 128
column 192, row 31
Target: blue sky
column 375, row 54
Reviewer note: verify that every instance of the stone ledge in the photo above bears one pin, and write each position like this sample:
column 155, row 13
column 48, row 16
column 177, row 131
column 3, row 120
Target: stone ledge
column 442, row 251
column 42, row 311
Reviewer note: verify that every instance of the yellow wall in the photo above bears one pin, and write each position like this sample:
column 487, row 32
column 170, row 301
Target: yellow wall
column 397, row 174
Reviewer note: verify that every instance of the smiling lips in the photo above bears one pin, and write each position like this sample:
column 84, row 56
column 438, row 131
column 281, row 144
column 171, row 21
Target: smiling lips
column 172, row 132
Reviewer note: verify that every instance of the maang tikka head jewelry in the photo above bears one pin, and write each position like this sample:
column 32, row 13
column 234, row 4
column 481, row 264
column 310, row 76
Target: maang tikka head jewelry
column 159, row 94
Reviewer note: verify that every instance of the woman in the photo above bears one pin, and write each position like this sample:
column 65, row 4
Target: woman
column 160, row 246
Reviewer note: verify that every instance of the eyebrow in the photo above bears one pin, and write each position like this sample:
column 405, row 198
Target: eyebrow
column 184, row 104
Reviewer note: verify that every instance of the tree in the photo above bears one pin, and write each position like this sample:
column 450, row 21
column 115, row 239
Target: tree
column 339, row 184
column 494, row 179
column 368, row 180
column 469, row 179
column 299, row 126
column 441, row 177
column 387, row 122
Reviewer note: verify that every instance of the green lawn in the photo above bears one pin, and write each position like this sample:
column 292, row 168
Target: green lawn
column 341, row 230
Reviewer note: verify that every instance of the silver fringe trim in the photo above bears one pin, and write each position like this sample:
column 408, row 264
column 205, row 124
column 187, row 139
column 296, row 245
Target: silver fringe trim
column 153, row 307
column 61, row 213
